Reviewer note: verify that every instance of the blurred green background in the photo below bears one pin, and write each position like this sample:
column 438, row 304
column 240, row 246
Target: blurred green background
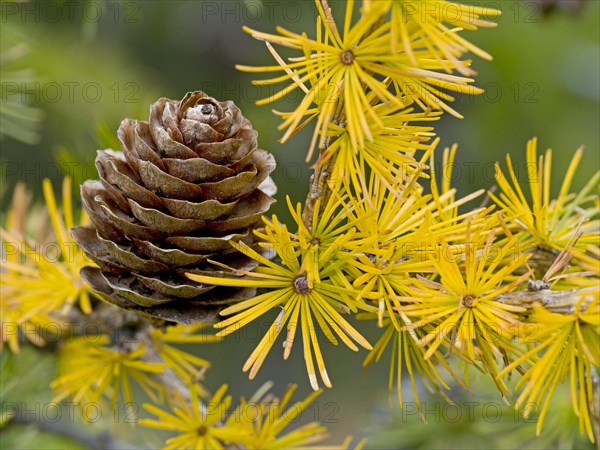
column 83, row 66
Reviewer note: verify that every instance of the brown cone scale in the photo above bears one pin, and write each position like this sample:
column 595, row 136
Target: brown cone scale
column 187, row 184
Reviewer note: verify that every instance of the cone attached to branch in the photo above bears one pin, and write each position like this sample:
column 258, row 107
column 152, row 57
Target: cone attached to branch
column 188, row 182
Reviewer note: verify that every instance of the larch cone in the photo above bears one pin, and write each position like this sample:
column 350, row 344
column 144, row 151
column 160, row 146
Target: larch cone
column 187, row 183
